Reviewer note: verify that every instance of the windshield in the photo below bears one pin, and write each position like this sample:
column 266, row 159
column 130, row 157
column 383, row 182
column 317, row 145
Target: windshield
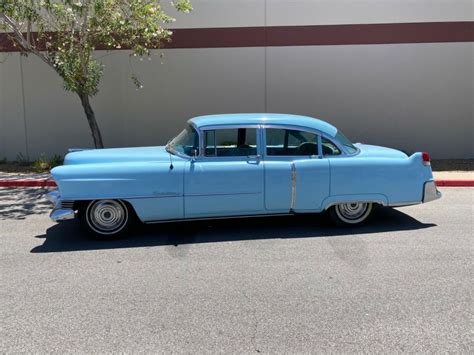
column 349, row 147
column 184, row 142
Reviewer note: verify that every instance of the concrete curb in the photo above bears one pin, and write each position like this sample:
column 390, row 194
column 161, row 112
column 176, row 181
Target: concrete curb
column 51, row 183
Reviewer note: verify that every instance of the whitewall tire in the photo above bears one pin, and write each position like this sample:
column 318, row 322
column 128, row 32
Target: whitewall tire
column 351, row 213
column 106, row 219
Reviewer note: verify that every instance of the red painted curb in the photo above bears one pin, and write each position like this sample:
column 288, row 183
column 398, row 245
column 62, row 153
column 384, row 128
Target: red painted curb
column 27, row 183
column 51, row 183
column 453, row 183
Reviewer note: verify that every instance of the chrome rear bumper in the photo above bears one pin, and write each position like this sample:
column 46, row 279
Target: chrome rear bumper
column 430, row 192
column 62, row 214
column 58, row 213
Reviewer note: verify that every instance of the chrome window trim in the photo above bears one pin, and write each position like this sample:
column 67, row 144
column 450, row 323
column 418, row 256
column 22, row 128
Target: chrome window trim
column 294, row 128
column 203, row 157
column 341, row 147
column 320, row 146
column 230, row 126
column 182, row 155
column 261, row 140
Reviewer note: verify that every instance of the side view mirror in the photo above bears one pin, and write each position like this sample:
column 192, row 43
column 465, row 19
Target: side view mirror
column 194, row 153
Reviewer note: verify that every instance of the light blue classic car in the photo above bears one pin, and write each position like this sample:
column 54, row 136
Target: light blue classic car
column 238, row 165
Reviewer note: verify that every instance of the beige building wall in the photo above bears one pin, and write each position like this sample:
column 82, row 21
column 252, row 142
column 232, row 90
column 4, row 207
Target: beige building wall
column 409, row 96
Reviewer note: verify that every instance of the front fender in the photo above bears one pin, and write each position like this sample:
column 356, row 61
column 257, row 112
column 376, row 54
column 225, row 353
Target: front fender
column 119, row 180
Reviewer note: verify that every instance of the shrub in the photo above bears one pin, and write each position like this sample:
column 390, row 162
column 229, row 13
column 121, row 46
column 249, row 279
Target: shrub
column 45, row 164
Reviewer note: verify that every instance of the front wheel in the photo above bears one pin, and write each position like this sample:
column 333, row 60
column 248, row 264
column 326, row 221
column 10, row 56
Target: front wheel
column 351, row 213
column 106, row 219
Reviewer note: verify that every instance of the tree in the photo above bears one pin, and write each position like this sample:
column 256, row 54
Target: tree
column 65, row 34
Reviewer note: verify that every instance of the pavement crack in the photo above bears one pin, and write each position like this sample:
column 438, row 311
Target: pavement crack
column 255, row 325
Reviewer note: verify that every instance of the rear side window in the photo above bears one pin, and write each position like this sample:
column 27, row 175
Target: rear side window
column 284, row 142
column 235, row 142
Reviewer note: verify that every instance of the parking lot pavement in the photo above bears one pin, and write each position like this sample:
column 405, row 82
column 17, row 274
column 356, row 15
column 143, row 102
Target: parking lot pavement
column 294, row 284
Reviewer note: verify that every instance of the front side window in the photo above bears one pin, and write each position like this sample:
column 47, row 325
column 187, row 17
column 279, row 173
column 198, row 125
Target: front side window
column 329, row 148
column 233, row 142
column 281, row 142
column 348, row 146
column 187, row 142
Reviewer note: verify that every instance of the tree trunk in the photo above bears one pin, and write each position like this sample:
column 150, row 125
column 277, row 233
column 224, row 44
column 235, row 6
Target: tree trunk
column 95, row 131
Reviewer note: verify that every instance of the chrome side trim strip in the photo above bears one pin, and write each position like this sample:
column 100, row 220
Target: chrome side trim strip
column 401, row 204
column 224, row 194
column 293, row 186
column 115, row 197
column 221, row 217
column 158, row 196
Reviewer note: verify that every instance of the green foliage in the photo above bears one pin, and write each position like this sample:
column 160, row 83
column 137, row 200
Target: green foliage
column 70, row 31
column 3, row 160
column 45, row 164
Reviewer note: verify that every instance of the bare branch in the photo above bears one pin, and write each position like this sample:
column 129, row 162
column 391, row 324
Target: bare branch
column 23, row 42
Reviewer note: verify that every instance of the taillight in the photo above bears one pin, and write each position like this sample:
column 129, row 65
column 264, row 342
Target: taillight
column 426, row 158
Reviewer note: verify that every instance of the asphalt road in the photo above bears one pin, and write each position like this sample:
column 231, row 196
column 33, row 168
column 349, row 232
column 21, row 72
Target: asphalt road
column 296, row 284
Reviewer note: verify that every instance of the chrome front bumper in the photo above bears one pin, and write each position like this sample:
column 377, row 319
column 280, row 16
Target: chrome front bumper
column 430, row 192
column 58, row 213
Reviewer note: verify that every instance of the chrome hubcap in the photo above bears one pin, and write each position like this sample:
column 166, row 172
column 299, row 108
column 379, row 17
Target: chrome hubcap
column 354, row 211
column 107, row 216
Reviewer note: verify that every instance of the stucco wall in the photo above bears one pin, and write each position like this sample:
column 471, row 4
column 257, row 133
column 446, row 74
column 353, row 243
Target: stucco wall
column 410, row 96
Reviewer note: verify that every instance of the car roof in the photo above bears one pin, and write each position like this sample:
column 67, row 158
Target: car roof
column 263, row 118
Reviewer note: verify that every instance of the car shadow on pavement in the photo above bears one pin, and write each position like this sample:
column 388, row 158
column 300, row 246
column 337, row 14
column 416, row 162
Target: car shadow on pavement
column 67, row 236
column 21, row 203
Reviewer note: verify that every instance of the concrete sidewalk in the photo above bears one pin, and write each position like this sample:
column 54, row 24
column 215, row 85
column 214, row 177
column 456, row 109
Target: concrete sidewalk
column 453, row 175
column 21, row 176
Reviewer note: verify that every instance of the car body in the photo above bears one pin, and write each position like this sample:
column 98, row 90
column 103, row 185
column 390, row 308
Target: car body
column 239, row 165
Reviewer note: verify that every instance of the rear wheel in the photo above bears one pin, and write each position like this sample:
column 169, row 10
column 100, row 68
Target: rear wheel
column 351, row 213
column 106, row 219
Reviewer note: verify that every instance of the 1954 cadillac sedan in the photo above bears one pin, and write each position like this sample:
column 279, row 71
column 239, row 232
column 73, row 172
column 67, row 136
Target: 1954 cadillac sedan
column 238, row 165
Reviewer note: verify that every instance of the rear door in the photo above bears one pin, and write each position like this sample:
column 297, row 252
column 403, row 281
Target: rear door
column 296, row 178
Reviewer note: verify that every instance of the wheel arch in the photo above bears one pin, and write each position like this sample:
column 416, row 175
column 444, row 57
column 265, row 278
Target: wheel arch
column 378, row 199
column 81, row 205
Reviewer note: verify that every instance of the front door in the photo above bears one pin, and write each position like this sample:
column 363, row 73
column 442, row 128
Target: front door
column 227, row 177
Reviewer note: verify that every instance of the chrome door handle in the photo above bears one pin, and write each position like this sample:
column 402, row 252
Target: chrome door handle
column 253, row 159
